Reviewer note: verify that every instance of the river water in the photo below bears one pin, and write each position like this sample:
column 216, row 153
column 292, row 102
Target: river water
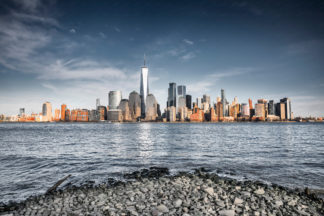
column 33, row 156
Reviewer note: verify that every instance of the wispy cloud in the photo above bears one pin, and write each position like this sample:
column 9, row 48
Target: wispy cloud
column 72, row 30
column 103, row 35
column 188, row 56
column 305, row 47
column 236, row 71
column 117, row 29
column 188, row 41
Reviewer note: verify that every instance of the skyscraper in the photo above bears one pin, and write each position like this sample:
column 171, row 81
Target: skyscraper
column 47, row 111
column 144, row 87
column 172, row 95
column 223, row 101
column 287, row 103
column 114, row 99
column 97, row 103
column 63, row 109
column 188, row 101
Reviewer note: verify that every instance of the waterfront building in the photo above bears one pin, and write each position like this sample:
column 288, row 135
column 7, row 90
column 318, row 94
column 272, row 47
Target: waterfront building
column 260, row 111
column 63, row 109
column 287, row 108
column 265, row 103
column 97, row 103
column 172, row 95
column 250, row 104
column 144, row 88
column 181, row 92
column 158, row 110
column 245, row 110
column 82, row 115
column 219, row 110
column 21, row 112
column 151, row 108
column 102, row 113
column 57, row 115
column 134, row 101
column 282, row 111
column 124, row 107
column 212, row 115
column 115, row 115
column 114, row 99
column 189, row 102
column 47, row 112
column 197, row 115
column 171, row 114
column 223, row 102
column 206, row 99
column 205, row 107
column 94, row 115
column 271, row 108
column 67, row 115
column 74, row 114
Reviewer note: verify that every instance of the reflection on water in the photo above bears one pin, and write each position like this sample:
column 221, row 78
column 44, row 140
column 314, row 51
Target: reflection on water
column 34, row 156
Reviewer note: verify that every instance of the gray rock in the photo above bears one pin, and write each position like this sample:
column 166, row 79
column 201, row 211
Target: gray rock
column 162, row 208
column 209, row 190
column 237, row 201
column 226, row 212
column 177, row 203
column 259, row 191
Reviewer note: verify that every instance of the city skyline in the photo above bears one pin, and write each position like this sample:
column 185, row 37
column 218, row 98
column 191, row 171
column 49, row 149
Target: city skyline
column 251, row 49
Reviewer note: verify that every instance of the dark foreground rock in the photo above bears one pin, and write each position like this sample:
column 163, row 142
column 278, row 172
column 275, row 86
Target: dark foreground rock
column 153, row 192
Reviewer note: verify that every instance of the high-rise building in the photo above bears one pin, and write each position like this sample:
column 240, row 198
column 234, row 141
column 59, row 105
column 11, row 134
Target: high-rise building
column 144, row 87
column 181, row 103
column 114, row 99
column 63, row 109
column 151, row 108
column 57, row 115
column 134, row 102
column 245, row 110
column 124, row 107
column 223, row 101
column 102, row 113
column 181, row 92
column 188, row 101
column 271, row 108
column 206, row 99
column 97, row 103
column 259, row 110
column 21, row 112
column 250, row 104
column 287, row 103
column 199, row 102
column 172, row 95
column 47, row 111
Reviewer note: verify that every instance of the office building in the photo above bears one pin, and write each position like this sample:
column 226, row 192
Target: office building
column 245, row 110
column 259, row 110
column 102, row 113
column 124, row 107
column 144, row 87
column 172, row 95
column 134, row 101
column 114, row 99
column 63, row 112
column 57, row 115
column 287, row 108
column 97, row 103
column 94, row 115
column 151, row 108
column 223, row 102
column 21, row 112
column 47, row 111
column 271, row 108
column 189, row 102
column 199, row 102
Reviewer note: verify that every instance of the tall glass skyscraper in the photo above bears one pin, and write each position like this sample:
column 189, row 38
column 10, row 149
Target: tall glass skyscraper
column 172, row 95
column 144, row 88
column 223, row 101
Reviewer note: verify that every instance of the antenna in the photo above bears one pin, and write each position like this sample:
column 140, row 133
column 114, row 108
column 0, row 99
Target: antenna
column 144, row 60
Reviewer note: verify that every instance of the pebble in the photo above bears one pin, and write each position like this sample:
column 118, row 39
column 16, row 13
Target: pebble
column 260, row 191
column 209, row 190
column 162, row 208
column 237, row 201
column 177, row 203
column 226, row 213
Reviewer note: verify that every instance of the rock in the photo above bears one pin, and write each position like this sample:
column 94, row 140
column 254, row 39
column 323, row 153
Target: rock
column 237, row 201
column 209, row 190
column 226, row 213
column 220, row 203
column 162, row 208
column 260, row 191
column 177, row 203
column 279, row 203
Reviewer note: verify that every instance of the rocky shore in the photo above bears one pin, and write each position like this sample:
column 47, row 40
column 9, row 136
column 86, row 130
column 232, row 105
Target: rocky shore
column 154, row 192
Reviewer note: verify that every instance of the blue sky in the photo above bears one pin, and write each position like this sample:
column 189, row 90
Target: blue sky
column 76, row 51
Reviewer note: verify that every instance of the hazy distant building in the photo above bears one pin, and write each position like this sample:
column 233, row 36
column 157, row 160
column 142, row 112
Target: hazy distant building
column 181, row 103
column 172, row 95
column 67, row 115
column 282, row 111
column 56, row 115
column 189, row 102
column 206, row 99
column 199, row 102
column 124, row 107
column 63, row 109
column 97, row 103
column 134, row 101
column 171, row 114
column 223, row 101
column 144, row 88
column 102, row 113
column 114, row 99
column 47, row 111
column 151, row 108
column 181, row 92
column 259, row 110
column 21, row 112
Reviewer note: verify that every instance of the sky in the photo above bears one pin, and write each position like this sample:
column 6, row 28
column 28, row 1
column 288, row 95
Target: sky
column 73, row 51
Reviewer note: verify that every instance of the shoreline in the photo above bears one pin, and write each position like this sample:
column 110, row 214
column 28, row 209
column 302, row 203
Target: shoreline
column 154, row 191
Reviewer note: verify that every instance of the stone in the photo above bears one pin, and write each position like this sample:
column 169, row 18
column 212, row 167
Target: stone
column 209, row 190
column 177, row 203
column 220, row 203
column 237, row 201
column 226, row 212
column 260, row 191
column 162, row 208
